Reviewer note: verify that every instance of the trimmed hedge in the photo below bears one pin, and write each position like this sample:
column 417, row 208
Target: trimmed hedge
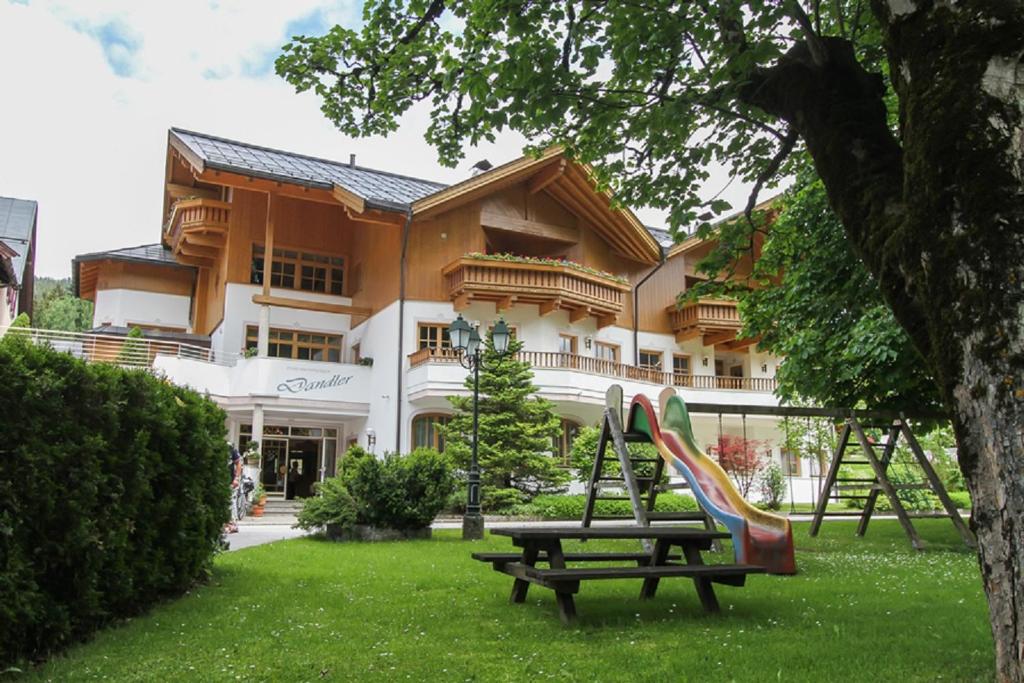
column 571, row 507
column 113, row 495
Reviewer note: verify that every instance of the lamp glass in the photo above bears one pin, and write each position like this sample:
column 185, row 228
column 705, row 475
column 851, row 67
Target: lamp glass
column 500, row 337
column 474, row 343
column 459, row 334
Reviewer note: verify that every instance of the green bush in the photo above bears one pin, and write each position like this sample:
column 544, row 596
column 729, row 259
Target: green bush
column 399, row 492
column 584, row 450
column 113, row 495
column 962, row 499
column 497, row 501
column 133, row 351
column 333, row 504
column 773, row 487
column 571, row 507
column 21, row 320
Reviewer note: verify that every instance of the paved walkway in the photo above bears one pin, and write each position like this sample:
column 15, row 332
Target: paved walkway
column 250, row 534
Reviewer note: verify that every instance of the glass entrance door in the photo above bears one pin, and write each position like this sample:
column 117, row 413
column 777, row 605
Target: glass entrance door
column 275, row 455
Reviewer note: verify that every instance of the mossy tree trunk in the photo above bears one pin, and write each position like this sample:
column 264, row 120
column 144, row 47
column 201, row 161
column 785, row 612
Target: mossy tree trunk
column 937, row 215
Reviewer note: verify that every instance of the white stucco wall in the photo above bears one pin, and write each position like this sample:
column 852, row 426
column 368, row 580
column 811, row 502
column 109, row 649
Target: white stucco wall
column 124, row 307
column 240, row 311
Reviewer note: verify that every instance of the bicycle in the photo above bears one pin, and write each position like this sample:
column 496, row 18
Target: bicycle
column 240, row 498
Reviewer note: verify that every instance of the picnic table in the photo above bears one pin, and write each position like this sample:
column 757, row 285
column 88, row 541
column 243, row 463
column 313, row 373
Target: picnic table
column 544, row 545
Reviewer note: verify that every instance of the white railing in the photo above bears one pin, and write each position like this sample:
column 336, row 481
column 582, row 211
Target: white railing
column 137, row 352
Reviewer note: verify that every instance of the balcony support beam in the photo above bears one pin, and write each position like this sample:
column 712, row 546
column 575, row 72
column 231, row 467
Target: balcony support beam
column 688, row 334
column 461, row 302
column 578, row 314
column 548, row 307
column 606, row 320
column 719, row 337
column 740, row 344
column 504, row 303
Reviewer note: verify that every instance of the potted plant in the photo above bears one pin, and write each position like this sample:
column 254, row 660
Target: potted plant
column 259, row 500
column 252, row 454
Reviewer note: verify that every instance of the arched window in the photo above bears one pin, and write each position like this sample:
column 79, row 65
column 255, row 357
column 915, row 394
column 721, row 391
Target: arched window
column 563, row 447
column 426, row 432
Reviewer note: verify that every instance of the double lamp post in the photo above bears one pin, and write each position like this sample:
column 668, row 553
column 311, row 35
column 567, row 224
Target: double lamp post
column 468, row 348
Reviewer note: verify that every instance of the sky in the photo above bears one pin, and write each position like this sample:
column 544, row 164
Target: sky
column 88, row 89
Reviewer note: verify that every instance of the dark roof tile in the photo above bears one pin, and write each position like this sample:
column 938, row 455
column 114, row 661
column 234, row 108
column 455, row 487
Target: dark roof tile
column 377, row 188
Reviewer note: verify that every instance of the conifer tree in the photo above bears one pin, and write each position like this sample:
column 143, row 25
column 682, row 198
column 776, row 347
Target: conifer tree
column 516, row 431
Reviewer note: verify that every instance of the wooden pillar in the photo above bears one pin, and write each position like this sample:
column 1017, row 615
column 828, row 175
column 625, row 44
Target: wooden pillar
column 263, row 340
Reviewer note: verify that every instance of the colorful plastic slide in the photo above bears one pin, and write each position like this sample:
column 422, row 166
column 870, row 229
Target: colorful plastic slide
column 759, row 538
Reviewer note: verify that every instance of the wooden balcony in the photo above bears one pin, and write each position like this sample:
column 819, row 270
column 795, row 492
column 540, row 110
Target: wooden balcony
column 553, row 360
column 550, row 287
column 714, row 321
column 197, row 230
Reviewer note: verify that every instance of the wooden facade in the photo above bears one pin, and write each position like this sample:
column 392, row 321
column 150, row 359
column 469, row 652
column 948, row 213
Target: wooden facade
column 544, row 207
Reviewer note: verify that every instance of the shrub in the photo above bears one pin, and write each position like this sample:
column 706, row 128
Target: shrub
column 21, row 320
column 962, row 499
column 584, row 450
column 399, row 492
column 571, row 507
column 113, row 495
column 133, row 351
column 332, row 504
column 773, row 487
column 500, row 501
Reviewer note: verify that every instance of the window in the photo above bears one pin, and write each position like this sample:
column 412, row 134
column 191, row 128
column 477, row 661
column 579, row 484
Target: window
column 563, row 445
column 681, row 373
column 300, row 270
column 297, row 344
column 426, row 432
column 607, row 351
column 650, row 360
column 567, row 343
column 790, row 462
column 356, row 353
column 434, row 336
column 736, row 371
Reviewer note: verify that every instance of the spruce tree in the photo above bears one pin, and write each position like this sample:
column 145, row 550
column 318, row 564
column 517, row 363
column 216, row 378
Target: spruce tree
column 516, row 431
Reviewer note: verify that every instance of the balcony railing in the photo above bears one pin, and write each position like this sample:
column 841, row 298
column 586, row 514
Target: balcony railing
column 551, row 287
column 606, row 368
column 197, row 228
column 136, row 352
column 715, row 320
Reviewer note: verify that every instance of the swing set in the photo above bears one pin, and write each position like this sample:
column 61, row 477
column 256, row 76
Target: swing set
column 854, row 448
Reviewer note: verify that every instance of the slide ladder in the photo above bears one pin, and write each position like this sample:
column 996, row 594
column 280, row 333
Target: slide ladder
column 641, row 490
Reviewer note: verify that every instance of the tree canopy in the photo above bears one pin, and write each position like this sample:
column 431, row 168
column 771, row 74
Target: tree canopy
column 911, row 111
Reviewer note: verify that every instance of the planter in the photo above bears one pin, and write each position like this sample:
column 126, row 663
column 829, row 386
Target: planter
column 365, row 532
column 257, row 511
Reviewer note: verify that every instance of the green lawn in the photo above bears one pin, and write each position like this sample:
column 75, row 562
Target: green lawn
column 860, row 610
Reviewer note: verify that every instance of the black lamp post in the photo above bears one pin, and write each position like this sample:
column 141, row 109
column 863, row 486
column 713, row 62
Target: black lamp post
column 467, row 345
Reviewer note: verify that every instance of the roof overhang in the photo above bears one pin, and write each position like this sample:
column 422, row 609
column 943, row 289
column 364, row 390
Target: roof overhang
column 7, row 275
column 571, row 184
column 333, row 192
column 97, row 257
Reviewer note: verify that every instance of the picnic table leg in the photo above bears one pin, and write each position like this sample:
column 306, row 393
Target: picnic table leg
column 704, row 590
column 658, row 558
column 566, row 604
column 520, row 586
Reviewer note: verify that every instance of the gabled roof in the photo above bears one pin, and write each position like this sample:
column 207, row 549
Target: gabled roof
column 378, row 189
column 662, row 237
column 570, row 184
column 156, row 254
column 17, row 222
column 150, row 254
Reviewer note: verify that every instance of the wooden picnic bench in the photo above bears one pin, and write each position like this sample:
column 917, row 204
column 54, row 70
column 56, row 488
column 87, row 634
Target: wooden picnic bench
column 544, row 545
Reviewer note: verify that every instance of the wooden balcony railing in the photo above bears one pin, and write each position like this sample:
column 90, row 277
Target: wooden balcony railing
column 544, row 360
column 716, row 321
column 197, row 230
column 550, row 287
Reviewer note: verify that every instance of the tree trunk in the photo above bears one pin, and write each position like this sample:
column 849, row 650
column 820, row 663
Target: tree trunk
column 938, row 219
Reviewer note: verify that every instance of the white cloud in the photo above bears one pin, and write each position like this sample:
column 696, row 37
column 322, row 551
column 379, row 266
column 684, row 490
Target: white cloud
column 90, row 89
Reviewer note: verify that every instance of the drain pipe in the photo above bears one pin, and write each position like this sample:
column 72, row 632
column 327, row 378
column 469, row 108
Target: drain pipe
column 636, row 307
column 401, row 325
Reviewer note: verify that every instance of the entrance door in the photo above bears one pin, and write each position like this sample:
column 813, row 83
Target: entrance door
column 275, row 453
column 303, row 467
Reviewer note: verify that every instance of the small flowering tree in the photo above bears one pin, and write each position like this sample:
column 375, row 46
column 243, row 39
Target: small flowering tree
column 742, row 459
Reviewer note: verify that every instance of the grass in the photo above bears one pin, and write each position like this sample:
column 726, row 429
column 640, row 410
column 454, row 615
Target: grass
column 866, row 609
